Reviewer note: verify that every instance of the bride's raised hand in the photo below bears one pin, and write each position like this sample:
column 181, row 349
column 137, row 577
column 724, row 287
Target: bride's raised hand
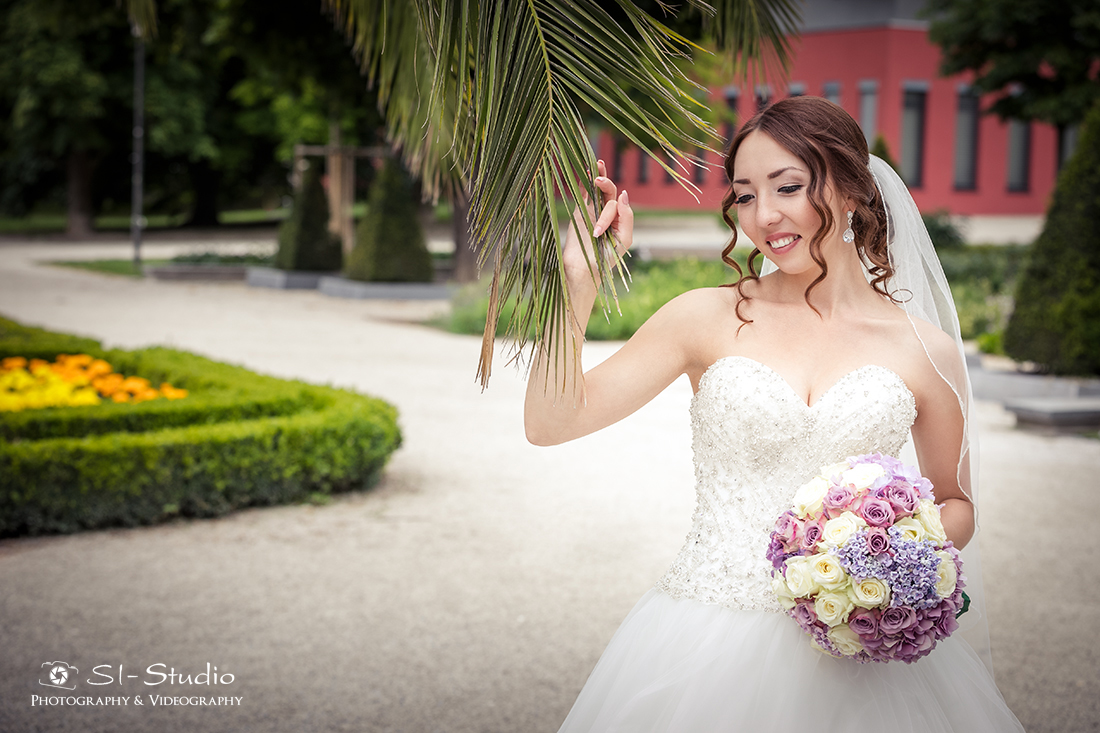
column 615, row 217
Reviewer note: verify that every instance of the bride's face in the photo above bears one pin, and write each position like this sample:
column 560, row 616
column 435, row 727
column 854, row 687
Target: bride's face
column 770, row 187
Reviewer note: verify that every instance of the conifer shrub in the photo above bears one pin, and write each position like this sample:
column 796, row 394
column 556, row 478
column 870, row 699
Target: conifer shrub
column 882, row 150
column 389, row 241
column 1056, row 320
column 305, row 243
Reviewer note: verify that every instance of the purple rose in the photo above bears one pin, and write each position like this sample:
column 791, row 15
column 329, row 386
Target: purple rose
column 896, row 619
column 864, row 622
column 902, row 497
column 877, row 512
column 803, row 612
column 777, row 553
column 838, row 499
column 878, row 541
column 811, row 534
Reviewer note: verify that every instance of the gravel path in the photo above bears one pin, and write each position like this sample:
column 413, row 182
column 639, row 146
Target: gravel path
column 475, row 587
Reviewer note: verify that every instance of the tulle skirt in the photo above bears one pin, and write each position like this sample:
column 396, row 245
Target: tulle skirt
column 682, row 665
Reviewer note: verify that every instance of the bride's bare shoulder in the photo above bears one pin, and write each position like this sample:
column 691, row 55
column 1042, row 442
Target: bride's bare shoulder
column 704, row 305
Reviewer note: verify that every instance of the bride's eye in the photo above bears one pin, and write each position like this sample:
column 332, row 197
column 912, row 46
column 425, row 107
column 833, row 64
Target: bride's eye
column 743, row 199
column 793, row 188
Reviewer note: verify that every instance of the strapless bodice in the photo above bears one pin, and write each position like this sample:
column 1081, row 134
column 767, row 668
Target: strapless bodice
column 755, row 442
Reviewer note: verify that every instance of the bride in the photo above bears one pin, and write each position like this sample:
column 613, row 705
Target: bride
column 848, row 344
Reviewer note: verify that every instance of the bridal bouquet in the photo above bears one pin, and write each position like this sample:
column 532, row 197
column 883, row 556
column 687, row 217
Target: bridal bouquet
column 862, row 563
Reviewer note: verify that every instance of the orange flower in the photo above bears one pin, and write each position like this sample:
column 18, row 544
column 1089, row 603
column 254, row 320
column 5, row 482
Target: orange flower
column 13, row 362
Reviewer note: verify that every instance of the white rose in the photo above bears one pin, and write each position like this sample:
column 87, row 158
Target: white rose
column 782, row 592
column 947, row 575
column 833, row 607
column 870, row 593
column 911, row 528
column 863, row 476
column 834, row 470
column 929, row 517
column 838, row 529
column 826, row 571
column 845, row 640
column 800, row 582
column 808, row 498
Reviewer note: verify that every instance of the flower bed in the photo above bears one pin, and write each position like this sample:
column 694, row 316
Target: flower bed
column 72, row 380
column 239, row 439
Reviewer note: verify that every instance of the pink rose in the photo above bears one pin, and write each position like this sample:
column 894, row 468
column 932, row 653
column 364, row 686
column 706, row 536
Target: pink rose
column 839, row 499
column 811, row 534
column 877, row 512
column 902, row 497
column 878, row 541
column 789, row 529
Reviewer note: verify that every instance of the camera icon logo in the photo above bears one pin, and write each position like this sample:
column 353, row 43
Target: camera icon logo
column 59, row 674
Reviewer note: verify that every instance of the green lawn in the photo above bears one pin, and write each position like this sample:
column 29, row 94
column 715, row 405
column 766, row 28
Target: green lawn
column 110, row 267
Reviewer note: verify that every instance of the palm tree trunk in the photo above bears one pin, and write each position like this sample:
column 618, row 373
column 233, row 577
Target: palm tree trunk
column 79, row 194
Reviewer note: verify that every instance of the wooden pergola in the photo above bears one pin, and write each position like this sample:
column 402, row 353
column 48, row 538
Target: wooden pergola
column 340, row 167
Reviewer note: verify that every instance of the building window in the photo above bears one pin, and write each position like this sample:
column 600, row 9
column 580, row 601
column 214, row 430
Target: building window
column 915, row 99
column 796, row 89
column 731, row 94
column 831, row 91
column 966, row 140
column 868, row 109
column 1067, row 143
column 643, row 166
column 699, row 172
column 1019, row 155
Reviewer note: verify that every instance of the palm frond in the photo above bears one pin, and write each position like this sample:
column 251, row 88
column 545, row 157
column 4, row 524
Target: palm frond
column 505, row 78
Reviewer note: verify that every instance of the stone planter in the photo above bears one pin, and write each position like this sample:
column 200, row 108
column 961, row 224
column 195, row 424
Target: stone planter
column 196, row 272
column 340, row 287
column 270, row 277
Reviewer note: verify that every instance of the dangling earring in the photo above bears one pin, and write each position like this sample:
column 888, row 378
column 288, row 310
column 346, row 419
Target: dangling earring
column 849, row 236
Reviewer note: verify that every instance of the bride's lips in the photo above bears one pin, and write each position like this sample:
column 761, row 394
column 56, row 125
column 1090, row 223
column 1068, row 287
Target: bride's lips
column 782, row 242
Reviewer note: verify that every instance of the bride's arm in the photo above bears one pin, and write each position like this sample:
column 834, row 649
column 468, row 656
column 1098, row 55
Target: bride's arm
column 938, row 435
column 646, row 364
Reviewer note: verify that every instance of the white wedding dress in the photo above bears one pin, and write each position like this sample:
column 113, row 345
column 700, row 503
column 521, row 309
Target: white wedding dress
column 709, row 649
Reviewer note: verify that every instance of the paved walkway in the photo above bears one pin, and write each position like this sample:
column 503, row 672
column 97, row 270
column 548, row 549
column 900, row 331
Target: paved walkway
column 475, row 587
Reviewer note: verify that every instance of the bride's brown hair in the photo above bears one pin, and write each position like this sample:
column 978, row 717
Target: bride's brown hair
column 826, row 138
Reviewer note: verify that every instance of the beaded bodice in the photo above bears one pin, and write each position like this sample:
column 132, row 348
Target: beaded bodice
column 755, row 442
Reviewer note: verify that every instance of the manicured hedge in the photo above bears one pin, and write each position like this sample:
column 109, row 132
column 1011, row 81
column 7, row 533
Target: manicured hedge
column 202, row 456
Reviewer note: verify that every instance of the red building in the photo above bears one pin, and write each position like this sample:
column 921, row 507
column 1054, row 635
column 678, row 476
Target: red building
column 875, row 60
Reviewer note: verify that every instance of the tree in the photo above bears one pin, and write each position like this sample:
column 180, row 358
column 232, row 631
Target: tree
column 1040, row 59
column 1056, row 321
column 389, row 243
column 230, row 88
column 65, row 80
